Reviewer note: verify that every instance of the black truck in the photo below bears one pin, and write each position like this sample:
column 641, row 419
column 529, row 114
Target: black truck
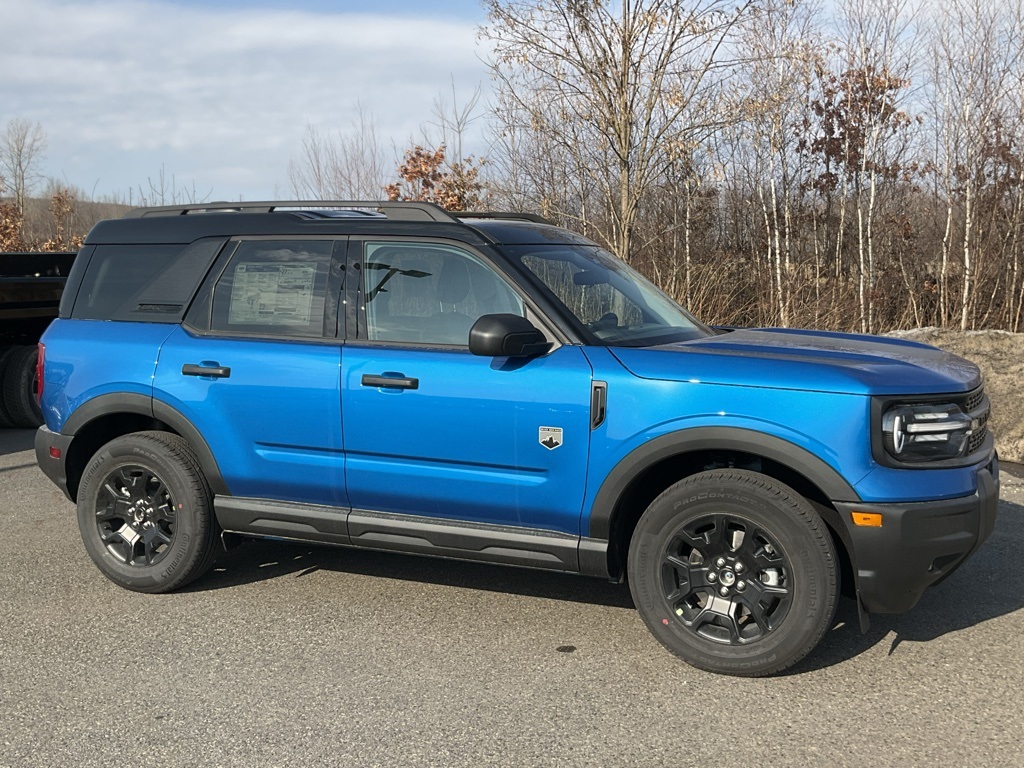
column 30, row 289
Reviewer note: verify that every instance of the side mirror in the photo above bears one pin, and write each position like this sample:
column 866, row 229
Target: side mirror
column 506, row 336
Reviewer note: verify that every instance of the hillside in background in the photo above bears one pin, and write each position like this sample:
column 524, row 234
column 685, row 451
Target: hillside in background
column 41, row 224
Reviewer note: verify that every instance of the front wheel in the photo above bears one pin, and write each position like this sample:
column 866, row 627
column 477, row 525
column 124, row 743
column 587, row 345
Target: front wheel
column 734, row 572
column 146, row 514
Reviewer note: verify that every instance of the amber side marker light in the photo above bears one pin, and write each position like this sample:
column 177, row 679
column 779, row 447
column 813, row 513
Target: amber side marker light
column 867, row 519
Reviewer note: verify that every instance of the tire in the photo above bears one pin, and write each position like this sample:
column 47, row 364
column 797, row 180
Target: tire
column 145, row 512
column 19, row 388
column 5, row 357
column 734, row 572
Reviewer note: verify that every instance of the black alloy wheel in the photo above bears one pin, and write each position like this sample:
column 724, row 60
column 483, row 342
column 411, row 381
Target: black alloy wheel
column 726, row 579
column 734, row 572
column 135, row 515
column 146, row 512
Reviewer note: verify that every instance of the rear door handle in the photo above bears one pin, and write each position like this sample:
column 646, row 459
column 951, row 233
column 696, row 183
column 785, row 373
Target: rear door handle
column 391, row 382
column 213, row 370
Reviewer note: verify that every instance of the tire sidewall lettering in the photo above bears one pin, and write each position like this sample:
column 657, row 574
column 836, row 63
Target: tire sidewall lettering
column 168, row 461
column 792, row 526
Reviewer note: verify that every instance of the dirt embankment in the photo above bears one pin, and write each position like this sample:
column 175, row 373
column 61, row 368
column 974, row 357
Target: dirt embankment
column 1000, row 355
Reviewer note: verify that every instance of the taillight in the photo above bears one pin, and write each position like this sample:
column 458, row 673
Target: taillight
column 39, row 372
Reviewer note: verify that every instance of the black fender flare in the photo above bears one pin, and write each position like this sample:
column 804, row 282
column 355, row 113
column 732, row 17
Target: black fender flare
column 145, row 405
column 737, row 439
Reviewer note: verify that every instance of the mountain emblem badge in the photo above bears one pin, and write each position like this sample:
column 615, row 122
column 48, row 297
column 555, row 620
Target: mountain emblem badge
column 550, row 437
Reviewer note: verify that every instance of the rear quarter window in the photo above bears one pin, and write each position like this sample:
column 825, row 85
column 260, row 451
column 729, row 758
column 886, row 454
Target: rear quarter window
column 148, row 283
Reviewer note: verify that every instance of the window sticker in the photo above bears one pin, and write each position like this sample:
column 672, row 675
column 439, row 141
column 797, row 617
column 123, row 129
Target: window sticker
column 272, row 294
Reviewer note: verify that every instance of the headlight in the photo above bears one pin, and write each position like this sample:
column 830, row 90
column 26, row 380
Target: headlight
column 930, row 432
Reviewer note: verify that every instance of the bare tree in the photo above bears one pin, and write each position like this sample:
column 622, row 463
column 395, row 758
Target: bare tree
column 782, row 51
column 541, row 169
column 164, row 189
column 623, row 74
column 452, row 121
column 875, row 79
column 1013, row 296
column 22, row 144
column 341, row 166
column 972, row 66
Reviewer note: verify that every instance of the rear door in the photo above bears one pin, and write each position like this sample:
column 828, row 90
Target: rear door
column 256, row 369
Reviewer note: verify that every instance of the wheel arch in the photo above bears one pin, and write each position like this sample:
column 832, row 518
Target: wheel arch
column 643, row 474
column 106, row 417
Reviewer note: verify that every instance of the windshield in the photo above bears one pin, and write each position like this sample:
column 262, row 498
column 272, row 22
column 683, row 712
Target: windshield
column 616, row 306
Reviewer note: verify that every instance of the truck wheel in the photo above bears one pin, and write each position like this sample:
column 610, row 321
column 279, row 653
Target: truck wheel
column 5, row 356
column 19, row 388
column 734, row 572
column 146, row 514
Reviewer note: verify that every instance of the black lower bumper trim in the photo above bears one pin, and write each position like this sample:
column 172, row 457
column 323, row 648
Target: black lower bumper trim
column 54, row 467
column 918, row 544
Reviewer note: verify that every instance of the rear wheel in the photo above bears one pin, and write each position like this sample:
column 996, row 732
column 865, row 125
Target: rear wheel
column 145, row 512
column 734, row 572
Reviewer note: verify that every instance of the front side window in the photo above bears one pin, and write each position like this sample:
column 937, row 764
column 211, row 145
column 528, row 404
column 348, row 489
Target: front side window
column 614, row 304
column 275, row 288
column 425, row 293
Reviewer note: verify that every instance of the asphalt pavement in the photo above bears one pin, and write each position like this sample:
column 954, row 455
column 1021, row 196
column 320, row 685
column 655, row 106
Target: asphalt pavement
column 292, row 655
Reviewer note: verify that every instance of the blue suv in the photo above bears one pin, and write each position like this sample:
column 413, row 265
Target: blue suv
column 490, row 387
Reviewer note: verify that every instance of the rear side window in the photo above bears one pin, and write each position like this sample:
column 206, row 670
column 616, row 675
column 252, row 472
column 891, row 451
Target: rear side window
column 116, row 273
column 274, row 288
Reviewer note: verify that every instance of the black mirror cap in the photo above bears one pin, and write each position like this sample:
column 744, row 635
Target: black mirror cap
column 506, row 336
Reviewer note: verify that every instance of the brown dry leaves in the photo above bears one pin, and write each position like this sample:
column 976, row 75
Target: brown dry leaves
column 426, row 177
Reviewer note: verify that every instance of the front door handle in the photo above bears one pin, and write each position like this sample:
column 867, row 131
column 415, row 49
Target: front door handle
column 392, row 382
column 212, row 370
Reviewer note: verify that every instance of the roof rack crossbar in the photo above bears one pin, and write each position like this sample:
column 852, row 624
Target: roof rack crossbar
column 393, row 209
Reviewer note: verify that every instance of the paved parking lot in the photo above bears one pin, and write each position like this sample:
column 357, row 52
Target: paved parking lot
column 297, row 656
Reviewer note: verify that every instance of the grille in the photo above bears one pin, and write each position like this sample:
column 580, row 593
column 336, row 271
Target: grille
column 974, row 400
column 977, row 405
column 977, row 438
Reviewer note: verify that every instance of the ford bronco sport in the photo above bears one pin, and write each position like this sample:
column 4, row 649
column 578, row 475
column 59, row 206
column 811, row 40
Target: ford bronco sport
column 490, row 387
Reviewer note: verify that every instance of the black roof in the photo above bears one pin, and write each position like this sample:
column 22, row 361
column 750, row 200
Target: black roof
column 519, row 232
column 186, row 223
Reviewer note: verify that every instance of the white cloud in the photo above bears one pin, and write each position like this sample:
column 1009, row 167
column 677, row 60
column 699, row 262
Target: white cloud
column 219, row 96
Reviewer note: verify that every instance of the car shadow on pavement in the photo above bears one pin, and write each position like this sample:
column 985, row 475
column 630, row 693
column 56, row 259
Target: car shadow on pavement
column 989, row 585
column 255, row 560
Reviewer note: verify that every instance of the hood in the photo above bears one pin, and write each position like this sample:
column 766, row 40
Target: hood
column 806, row 360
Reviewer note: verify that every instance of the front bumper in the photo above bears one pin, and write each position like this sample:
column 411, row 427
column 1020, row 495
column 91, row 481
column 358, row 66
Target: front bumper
column 918, row 544
column 54, row 466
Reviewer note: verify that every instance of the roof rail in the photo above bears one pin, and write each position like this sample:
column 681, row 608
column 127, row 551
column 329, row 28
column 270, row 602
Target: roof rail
column 515, row 215
column 393, row 209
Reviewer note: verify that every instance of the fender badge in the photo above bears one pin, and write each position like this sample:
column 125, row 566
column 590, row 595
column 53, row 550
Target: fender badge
column 550, row 437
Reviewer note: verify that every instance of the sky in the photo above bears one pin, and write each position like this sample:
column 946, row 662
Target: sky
column 218, row 93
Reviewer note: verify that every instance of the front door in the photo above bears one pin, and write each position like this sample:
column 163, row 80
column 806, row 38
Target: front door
column 433, row 430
